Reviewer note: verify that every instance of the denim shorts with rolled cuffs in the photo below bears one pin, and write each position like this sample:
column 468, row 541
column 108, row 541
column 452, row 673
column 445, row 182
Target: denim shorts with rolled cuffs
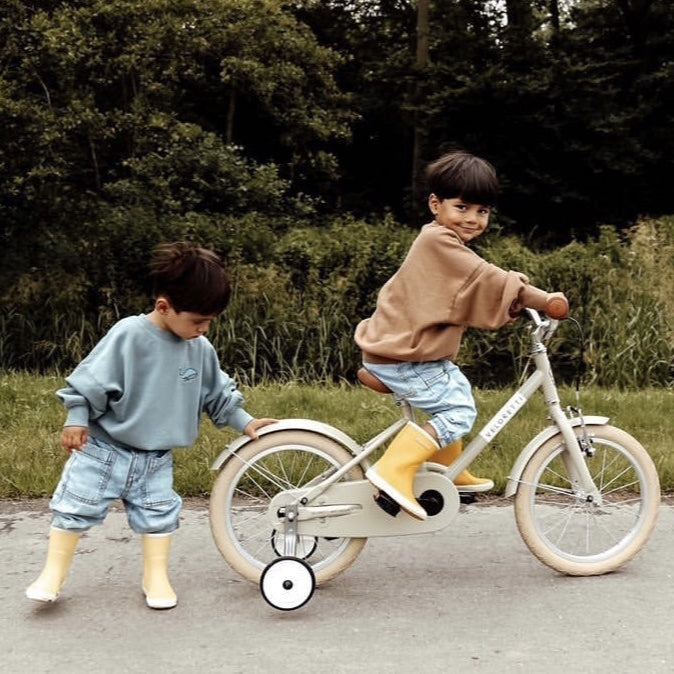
column 438, row 388
column 98, row 474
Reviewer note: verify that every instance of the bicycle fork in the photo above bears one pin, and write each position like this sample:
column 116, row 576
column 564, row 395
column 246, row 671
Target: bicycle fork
column 574, row 458
column 576, row 448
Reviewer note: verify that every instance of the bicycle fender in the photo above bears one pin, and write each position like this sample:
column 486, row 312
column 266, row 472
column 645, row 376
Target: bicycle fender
column 537, row 443
column 317, row 427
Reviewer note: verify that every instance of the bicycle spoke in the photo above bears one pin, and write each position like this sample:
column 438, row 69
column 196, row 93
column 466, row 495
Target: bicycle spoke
column 611, row 532
column 624, row 502
column 560, row 476
column 552, row 489
column 617, row 477
column 565, row 522
column 246, row 495
column 265, row 473
column 622, row 488
column 247, row 534
column 566, row 528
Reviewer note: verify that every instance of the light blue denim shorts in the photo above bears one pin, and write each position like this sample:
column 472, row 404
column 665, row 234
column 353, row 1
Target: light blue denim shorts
column 438, row 388
column 100, row 473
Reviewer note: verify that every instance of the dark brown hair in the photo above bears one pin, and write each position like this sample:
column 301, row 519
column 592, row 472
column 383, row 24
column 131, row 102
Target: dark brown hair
column 460, row 174
column 191, row 278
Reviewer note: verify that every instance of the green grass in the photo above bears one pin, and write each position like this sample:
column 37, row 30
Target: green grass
column 31, row 418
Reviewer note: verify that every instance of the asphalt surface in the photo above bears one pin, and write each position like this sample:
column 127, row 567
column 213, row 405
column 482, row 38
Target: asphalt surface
column 470, row 598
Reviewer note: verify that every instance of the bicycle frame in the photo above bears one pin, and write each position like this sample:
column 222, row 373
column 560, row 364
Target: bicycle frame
column 542, row 378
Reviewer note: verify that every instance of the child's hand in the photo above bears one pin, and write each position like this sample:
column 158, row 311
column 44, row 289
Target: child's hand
column 251, row 429
column 557, row 306
column 73, row 437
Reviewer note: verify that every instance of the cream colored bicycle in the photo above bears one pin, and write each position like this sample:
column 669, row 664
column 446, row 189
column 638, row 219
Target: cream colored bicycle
column 293, row 509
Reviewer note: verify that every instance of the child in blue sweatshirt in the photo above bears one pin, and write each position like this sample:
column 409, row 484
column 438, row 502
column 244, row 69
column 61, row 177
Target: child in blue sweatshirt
column 138, row 394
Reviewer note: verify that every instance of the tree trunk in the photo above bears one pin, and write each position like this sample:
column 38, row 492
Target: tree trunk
column 554, row 17
column 229, row 126
column 635, row 13
column 419, row 135
column 520, row 20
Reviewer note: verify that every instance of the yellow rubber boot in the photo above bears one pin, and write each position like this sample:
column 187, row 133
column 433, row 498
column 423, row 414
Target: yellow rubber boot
column 395, row 470
column 464, row 481
column 60, row 553
column 156, row 585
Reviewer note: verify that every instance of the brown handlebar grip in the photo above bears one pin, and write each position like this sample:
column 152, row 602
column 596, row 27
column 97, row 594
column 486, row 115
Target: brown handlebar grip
column 557, row 306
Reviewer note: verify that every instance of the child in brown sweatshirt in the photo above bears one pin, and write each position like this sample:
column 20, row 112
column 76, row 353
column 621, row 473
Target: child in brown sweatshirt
column 412, row 339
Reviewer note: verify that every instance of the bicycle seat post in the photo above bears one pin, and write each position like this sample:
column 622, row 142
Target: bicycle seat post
column 405, row 409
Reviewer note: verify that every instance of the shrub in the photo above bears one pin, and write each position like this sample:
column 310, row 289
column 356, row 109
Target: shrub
column 298, row 298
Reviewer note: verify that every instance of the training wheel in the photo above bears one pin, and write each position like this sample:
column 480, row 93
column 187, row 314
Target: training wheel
column 287, row 583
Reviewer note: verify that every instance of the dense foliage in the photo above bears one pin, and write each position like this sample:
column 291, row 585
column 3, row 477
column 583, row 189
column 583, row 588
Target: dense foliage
column 572, row 101
column 294, row 317
column 282, row 134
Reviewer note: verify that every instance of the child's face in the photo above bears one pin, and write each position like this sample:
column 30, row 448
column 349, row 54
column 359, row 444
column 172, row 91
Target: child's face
column 183, row 324
column 187, row 324
column 467, row 220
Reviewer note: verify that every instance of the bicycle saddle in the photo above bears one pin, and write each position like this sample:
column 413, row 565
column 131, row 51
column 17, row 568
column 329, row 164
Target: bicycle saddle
column 371, row 381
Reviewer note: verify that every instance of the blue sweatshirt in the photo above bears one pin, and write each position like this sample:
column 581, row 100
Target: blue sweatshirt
column 144, row 388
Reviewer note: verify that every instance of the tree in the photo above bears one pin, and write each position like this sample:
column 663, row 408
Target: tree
column 421, row 62
column 118, row 126
column 377, row 42
column 568, row 107
column 571, row 101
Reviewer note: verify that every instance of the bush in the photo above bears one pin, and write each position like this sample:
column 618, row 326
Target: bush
column 620, row 289
column 295, row 318
column 298, row 299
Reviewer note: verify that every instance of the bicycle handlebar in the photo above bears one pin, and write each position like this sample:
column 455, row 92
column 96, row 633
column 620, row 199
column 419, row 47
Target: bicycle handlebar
column 543, row 328
column 534, row 316
column 557, row 306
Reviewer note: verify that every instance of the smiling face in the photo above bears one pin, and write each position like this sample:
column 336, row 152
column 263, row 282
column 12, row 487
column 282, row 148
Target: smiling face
column 465, row 219
column 183, row 324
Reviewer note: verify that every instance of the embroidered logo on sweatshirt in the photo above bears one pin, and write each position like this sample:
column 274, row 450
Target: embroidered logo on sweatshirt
column 187, row 374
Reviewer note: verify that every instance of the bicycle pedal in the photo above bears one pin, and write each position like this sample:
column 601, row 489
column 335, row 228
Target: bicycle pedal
column 467, row 497
column 387, row 504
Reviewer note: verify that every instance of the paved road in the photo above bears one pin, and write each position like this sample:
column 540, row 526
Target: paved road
column 468, row 599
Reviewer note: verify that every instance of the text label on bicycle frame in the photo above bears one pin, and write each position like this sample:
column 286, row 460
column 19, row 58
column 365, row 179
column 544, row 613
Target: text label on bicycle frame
column 502, row 417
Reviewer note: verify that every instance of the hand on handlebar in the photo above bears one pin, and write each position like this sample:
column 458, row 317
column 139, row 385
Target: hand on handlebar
column 557, row 306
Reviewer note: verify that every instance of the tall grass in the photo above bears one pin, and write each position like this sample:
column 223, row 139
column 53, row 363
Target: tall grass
column 31, row 418
column 293, row 317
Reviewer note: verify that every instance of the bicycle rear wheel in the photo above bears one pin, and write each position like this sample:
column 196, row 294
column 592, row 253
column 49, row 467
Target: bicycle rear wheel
column 249, row 481
column 570, row 532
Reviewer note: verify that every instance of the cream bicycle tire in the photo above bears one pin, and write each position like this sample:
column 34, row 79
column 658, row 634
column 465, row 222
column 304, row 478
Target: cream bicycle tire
column 568, row 532
column 238, row 519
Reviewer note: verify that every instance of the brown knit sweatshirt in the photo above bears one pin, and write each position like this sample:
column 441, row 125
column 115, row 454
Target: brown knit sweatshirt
column 441, row 288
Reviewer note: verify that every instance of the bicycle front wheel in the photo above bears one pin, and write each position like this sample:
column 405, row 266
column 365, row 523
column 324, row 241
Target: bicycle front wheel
column 246, row 486
column 574, row 534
